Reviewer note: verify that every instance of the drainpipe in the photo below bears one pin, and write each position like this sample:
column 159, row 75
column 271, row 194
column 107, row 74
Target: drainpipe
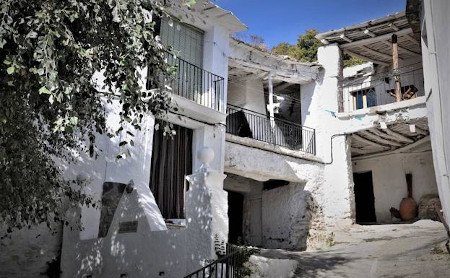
column 395, row 70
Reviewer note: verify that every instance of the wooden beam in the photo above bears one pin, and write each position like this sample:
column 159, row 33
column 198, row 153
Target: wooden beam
column 378, row 139
column 374, row 52
column 278, row 74
column 398, row 87
column 402, row 49
column 358, row 151
column 412, row 39
column 399, row 150
column 281, row 87
column 344, row 37
column 398, row 136
column 421, row 131
column 366, row 58
column 368, row 142
column 376, row 39
column 393, row 26
column 369, row 33
column 390, row 136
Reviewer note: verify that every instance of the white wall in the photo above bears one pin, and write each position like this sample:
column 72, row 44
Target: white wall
column 247, row 93
column 436, row 57
column 172, row 246
column 389, row 182
column 285, row 217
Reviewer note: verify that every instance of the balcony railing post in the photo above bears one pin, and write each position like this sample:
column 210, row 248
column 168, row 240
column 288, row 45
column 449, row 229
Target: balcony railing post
column 197, row 84
column 247, row 123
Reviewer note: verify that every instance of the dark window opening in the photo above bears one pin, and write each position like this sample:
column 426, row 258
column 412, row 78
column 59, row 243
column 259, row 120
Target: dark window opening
column 364, row 198
column 171, row 162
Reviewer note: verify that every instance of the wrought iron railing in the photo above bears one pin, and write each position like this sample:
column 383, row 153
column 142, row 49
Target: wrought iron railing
column 246, row 123
column 380, row 89
column 229, row 266
column 196, row 84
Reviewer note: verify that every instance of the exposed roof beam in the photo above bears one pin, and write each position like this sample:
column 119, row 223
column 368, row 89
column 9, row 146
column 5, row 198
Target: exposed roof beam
column 281, row 87
column 368, row 142
column 402, row 49
column 278, row 74
column 377, row 39
column 399, row 150
column 378, row 139
column 398, row 136
column 342, row 36
column 369, row 33
column 411, row 39
column 358, row 151
column 421, row 131
column 366, row 58
column 393, row 26
column 374, row 52
column 390, row 136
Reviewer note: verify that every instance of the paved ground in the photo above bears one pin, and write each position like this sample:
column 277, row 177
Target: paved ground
column 402, row 250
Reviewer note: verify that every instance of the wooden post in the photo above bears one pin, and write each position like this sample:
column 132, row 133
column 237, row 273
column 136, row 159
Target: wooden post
column 271, row 105
column 395, row 70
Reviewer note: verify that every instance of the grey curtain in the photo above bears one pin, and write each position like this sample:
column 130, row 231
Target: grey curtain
column 171, row 162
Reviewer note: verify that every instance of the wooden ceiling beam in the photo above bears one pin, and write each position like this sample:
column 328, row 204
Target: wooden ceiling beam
column 402, row 49
column 383, row 135
column 377, row 53
column 368, row 142
column 367, row 58
column 377, row 39
column 378, row 139
column 398, row 136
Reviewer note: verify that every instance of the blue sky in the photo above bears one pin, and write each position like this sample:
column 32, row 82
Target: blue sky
column 283, row 20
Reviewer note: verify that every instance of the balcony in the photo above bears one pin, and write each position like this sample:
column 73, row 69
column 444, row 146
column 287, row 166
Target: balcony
column 246, row 123
column 380, row 89
column 196, row 84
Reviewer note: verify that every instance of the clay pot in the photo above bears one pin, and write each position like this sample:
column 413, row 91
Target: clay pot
column 408, row 209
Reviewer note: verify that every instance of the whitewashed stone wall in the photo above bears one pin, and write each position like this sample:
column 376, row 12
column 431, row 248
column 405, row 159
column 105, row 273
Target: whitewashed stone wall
column 436, row 57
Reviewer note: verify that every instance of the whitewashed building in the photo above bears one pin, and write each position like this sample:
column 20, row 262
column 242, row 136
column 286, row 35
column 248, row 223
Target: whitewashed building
column 134, row 232
column 269, row 151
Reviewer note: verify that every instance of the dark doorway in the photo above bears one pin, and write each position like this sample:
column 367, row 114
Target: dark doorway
column 235, row 211
column 364, row 198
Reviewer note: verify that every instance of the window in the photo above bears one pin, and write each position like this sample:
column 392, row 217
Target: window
column 171, row 162
column 364, row 98
column 185, row 40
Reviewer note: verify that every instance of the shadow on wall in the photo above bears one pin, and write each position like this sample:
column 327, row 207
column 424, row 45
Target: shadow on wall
column 128, row 246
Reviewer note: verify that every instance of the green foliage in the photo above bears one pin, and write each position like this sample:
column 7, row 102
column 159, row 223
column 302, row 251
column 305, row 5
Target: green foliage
column 350, row 60
column 49, row 103
column 306, row 49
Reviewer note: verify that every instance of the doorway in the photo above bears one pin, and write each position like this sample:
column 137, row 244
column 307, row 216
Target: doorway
column 364, row 198
column 235, row 212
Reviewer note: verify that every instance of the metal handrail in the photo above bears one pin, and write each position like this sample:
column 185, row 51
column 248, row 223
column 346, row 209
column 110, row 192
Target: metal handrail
column 197, row 84
column 229, row 266
column 247, row 123
column 266, row 116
